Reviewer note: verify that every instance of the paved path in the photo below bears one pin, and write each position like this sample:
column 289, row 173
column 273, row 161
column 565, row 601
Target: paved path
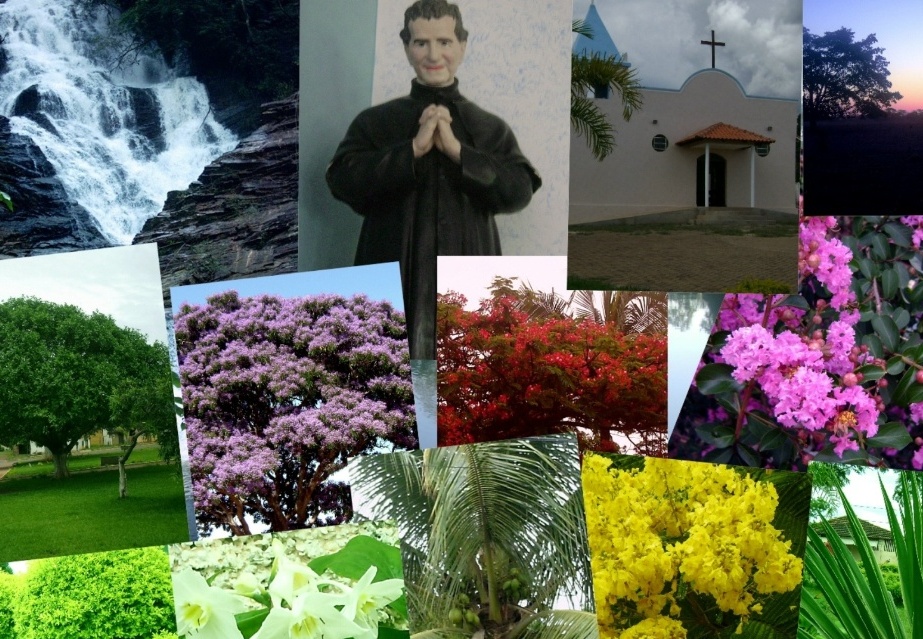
column 5, row 466
column 681, row 261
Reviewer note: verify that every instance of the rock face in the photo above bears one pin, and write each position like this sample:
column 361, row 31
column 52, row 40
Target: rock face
column 240, row 218
column 44, row 220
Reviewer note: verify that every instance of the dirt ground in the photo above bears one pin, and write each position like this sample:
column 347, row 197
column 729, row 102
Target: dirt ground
column 681, row 261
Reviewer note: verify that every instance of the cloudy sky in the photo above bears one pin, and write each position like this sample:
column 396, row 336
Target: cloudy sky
column 122, row 282
column 896, row 24
column 663, row 40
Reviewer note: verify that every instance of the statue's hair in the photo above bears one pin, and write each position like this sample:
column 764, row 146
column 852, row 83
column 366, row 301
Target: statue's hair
column 433, row 10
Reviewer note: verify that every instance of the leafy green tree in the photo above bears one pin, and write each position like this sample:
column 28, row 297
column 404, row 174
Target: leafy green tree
column 589, row 73
column 826, row 480
column 494, row 537
column 9, row 595
column 59, row 368
column 845, row 77
column 124, row 594
column 143, row 404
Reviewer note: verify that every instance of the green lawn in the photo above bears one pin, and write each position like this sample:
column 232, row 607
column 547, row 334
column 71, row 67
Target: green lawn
column 44, row 517
column 81, row 462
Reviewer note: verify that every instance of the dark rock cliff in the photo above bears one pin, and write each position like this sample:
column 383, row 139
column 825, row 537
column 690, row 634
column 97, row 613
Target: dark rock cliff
column 240, row 218
column 44, row 219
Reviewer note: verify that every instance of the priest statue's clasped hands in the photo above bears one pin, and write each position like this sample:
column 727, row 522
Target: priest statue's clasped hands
column 428, row 171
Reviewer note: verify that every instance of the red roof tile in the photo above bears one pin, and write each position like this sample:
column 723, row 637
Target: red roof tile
column 721, row 132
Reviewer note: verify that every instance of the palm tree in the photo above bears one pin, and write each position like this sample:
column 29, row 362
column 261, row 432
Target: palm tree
column 631, row 311
column 589, row 73
column 493, row 531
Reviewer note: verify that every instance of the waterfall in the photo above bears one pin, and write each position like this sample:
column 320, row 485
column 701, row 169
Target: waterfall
column 119, row 137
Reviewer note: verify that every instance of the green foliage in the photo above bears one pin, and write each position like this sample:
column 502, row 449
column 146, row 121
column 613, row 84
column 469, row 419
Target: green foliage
column 243, row 50
column 6, row 201
column 115, row 595
column 825, row 480
column 59, row 368
column 472, row 519
column 586, row 75
column 859, row 598
column 761, row 285
column 9, row 595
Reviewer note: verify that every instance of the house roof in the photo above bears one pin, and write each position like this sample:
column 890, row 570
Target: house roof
column 840, row 525
column 721, row 132
column 601, row 43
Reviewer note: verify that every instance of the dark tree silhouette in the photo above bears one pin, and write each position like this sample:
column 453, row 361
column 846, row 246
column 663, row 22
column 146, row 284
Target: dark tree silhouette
column 844, row 77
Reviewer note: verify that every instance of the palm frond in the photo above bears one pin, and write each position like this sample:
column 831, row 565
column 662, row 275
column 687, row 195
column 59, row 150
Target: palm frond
column 557, row 624
column 580, row 27
column 587, row 73
column 590, row 123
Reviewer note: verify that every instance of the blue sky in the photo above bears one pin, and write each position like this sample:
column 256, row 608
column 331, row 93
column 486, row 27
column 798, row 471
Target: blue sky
column 896, row 24
column 377, row 281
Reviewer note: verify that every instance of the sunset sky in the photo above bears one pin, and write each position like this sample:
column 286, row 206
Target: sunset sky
column 896, row 24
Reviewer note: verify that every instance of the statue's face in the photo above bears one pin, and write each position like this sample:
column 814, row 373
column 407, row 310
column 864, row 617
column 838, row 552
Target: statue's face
column 434, row 51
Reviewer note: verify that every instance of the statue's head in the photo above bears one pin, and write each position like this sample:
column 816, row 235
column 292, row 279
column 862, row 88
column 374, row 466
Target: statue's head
column 434, row 41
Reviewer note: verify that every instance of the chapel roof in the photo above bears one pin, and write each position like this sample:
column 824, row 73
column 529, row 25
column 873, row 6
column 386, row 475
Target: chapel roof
column 601, row 43
column 721, row 132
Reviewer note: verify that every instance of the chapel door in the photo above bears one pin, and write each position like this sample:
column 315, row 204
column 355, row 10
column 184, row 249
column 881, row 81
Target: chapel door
column 717, row 182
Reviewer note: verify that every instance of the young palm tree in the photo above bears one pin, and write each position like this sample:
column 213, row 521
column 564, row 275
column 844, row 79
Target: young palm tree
column 589, row 73
column 858, row 606
column 494, row 537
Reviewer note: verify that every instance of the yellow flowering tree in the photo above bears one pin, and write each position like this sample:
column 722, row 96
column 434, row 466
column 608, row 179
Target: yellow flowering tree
column 691, row 549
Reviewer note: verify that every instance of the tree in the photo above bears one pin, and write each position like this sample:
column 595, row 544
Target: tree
column 59, row 367
column 589, row 73
column 126, row 594
column 496, row 530
column 279, row 393
column 502, row 375
column 844, row 77
column 143, row 404
column 826, row 481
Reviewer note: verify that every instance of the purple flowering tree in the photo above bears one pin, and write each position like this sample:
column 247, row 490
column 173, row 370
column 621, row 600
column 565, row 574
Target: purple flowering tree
column 279, row 393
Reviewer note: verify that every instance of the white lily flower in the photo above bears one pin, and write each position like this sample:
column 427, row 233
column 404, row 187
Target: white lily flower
column 203, row 611
column 313, row 616
column 366, row 600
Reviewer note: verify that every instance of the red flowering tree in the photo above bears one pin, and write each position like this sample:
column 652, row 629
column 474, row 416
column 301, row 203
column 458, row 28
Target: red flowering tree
column 502, row 375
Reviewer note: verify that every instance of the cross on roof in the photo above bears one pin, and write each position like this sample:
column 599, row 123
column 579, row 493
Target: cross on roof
column 713, row 44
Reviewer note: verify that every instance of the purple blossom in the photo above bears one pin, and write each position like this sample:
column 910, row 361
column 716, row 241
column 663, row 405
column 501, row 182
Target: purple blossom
column 279, row 393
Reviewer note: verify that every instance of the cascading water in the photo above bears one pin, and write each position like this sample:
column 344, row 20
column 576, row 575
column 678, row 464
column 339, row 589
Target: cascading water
column 119, row 137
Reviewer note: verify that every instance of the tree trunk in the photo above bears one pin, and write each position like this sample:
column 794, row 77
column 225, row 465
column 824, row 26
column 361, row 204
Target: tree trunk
column 60, row 464
column 123, row 478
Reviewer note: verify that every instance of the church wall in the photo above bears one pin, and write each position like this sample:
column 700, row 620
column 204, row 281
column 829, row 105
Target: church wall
column 636, row 179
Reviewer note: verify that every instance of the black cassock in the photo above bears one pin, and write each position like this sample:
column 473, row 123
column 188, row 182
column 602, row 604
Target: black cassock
column 416, row 209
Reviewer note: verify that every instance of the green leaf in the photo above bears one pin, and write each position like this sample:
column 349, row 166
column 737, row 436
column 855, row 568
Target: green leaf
column 385, row 632
column 908, row 391
column 887, row 331
column 900, row 234
column 871, row 372
column 880, row 247
column 889, row 283
column 874, row 345
column 719, row 455
column 827, row 455
column 796, row 301
column 867, row 267
column 716, row 378
column 748, row 455
column 891, row 435
column 355, row 558
column 895, row 365
column 773, row 439
column 249, row 622
column 716, row 435
column 901, row 317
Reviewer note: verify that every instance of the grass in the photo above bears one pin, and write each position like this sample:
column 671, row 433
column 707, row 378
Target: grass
column 768, row 230
column 44, row 517
column 80, row 462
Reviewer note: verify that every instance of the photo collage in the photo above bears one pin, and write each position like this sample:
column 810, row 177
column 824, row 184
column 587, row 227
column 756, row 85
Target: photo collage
column 434, row 319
